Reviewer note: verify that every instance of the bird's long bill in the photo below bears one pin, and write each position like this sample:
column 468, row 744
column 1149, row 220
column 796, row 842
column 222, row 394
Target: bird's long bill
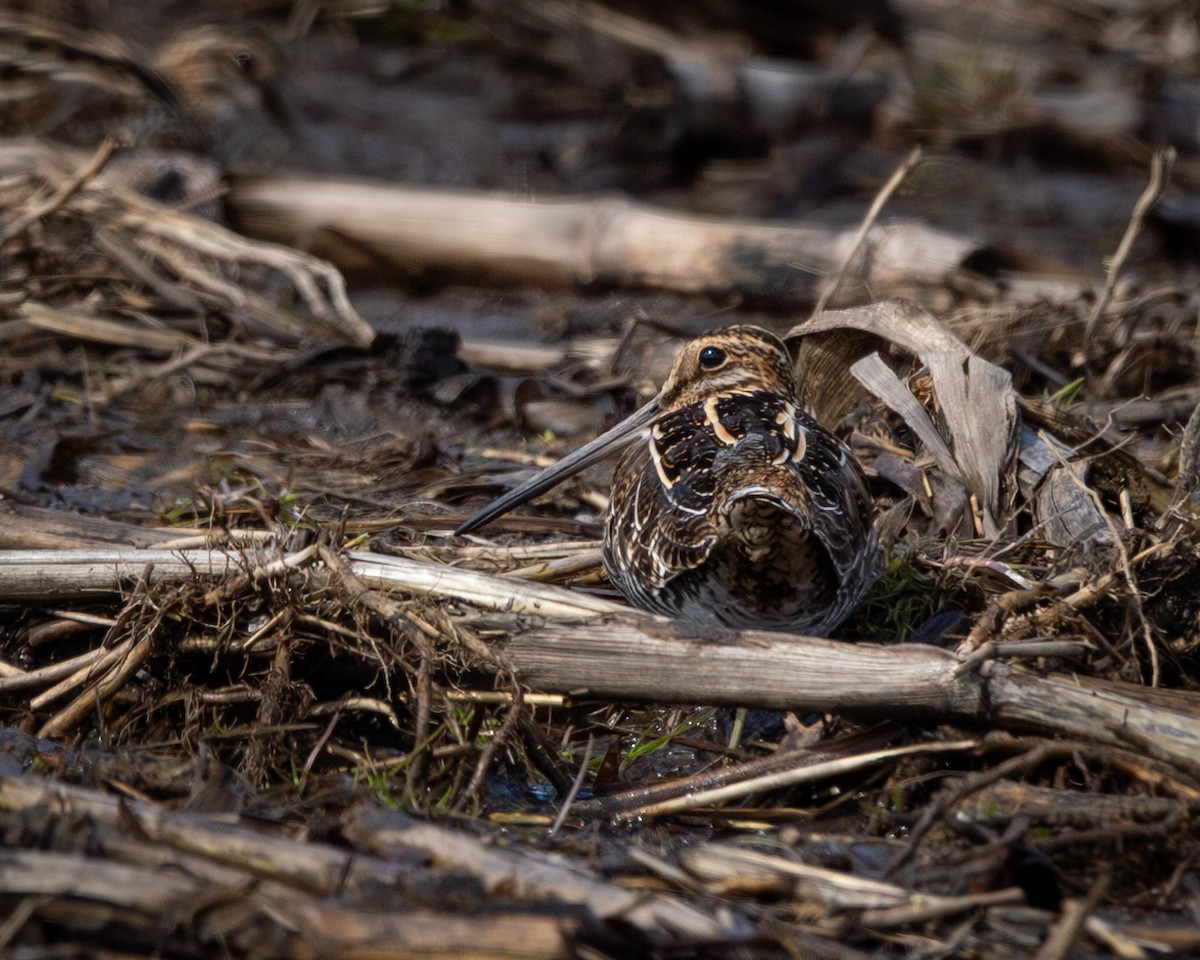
column 608, row 442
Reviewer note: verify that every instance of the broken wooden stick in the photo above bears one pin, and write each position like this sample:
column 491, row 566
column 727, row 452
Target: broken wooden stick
column 602, row 241
column 580, row 642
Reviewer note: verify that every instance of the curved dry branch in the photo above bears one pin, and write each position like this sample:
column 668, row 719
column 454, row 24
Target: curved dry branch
column 560, row 640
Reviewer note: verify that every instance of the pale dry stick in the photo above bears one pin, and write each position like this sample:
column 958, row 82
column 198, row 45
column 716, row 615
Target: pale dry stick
column 507, row 725
column 834, row 889
column 194, row 356
column 538, row 460
column 525, row 552
column 876, row 208
column 593, row 240
column 1069, row 926
column 1122, row 946
column 1160, row 170
column 934, row 908
column 51, row 574
column 625, row 29
column 328, row 626
column 496, row 593
column 511, row 358
column 994, row 649
column 215, row 539
column 562, row 567
column 576, row 785
column 667, row 870
column 316, row 750
column 82, row 326
column 65, row 190
column 131, row 264
column 507, row 872
column 78, row 617
column 988, row 563
column 788, row 778
column 77, row 709
column 201, row 279
column 299, row 268
column 367, row 704
column 503, row 696
column 97, row 668
column 55, row 671
column 1126, row 502
column 27, row 908
column 251, row 642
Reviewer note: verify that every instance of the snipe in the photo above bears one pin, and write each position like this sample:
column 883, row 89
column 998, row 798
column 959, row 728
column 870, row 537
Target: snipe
column 736, row 507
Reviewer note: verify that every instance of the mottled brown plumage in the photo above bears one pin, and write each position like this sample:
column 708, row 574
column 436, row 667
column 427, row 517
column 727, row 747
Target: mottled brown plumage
column 733, row 506
column 739, row 508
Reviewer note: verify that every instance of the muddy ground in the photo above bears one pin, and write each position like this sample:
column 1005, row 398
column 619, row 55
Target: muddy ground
column 296, row 749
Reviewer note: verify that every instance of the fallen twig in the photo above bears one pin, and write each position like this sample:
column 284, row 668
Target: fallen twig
column 1160, row 171
column 881, row 198
column 788, row 778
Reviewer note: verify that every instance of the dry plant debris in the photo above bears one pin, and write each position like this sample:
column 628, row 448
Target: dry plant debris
column 255, row 699
column 66, row 220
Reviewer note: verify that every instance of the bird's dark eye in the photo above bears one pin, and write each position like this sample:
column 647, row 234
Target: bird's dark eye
column 712, row 358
